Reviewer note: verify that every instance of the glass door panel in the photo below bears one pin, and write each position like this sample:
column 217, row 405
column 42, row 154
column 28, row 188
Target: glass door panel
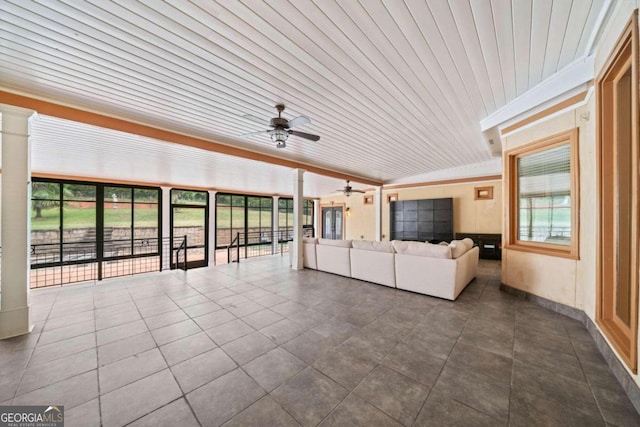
column 191, row 222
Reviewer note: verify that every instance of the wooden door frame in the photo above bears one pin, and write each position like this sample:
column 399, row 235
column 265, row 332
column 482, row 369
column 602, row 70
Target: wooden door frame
column 623, row 339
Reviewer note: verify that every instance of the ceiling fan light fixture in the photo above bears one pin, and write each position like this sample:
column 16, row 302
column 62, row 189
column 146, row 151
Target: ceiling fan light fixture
column 279, row 136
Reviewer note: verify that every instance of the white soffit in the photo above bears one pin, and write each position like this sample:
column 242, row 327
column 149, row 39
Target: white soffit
column 395, row 89
column 62, row 147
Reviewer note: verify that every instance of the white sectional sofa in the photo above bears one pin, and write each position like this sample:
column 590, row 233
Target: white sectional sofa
column 438, row 270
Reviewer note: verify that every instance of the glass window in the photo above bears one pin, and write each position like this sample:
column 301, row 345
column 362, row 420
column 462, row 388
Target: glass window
column 543, row 196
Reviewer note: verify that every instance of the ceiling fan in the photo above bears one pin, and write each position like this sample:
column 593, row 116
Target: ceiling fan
column 281, row 128
column 348, row 190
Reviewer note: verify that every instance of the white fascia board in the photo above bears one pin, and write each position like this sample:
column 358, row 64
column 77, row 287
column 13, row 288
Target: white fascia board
column 488, row 168
column 573, row 76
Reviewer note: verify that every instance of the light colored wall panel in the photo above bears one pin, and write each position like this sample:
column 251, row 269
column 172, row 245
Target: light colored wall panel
column 546, row 276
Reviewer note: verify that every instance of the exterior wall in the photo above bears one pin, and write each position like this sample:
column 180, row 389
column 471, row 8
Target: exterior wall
column 570, row 282
column 548, row 276
column 469, row 215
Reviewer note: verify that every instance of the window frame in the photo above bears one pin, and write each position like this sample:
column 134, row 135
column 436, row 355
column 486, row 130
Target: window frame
column 511, row 157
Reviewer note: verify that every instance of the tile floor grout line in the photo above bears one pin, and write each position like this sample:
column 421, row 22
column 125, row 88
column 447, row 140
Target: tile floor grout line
column 183, row 395
column 585, row 376
column 15, row 394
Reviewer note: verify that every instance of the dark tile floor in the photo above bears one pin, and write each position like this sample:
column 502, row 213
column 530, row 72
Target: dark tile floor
column 260, row 344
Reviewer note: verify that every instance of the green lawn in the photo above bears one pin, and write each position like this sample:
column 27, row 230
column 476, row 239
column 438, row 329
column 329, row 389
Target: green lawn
column 76, row 217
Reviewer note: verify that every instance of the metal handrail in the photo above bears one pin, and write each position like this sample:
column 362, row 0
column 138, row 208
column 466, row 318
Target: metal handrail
column 182, row 247
column 235, row 241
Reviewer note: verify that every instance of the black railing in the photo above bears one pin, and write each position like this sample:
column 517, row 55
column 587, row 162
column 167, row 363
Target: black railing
column 181, row 249
column 69, row 262
column 544, row 233
column 235, row 243
column 259, row 243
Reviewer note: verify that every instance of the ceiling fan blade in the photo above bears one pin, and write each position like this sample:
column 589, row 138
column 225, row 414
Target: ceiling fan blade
column 305, row 135
column 260, row 132
column 357, row 191
column 299, row 121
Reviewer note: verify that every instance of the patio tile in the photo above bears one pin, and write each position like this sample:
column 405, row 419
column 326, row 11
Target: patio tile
column 201, row 369
column 270, row 300
column 248, row 347
column 70, row 392
column 165, row 319
column 393, row 393
column 66, row 332
column 176, row 413
column 214, row 319
column 354, row 411
column 202, row 309
column 104, row 322
column 9, row 385
column 273, row 368
column 343, row 368
column 116, row 333
column 309, row 396
column 287, row 308
column 175, row 331
column 424, row 368
column 58, row 370
column 309, row 346
column 264, row 412
column 131, row 369
column 84, row 415
column 139, row 398
column 224, row 398
column 282, row 331
column 244, row 308
column 262, row 318
column 125, row 347
column 59, row 349
column 229, row 331
column 186, row 348
column 440, row 410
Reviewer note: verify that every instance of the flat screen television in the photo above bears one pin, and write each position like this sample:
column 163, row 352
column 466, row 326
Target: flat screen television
column 426, row 220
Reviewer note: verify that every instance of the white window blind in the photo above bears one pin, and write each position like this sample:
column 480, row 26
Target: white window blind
column 544, row 196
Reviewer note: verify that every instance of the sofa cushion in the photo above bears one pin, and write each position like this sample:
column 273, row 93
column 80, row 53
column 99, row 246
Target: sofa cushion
column 312, row 240
column 422, row 249
column 369, row 245
column 458, row 248
column 338, row 243
column 467, row 242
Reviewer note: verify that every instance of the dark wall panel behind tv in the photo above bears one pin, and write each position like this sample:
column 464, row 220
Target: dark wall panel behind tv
column 422, row 220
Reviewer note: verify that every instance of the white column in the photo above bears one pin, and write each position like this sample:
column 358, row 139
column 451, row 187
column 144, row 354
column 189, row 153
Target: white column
column 212, row 227
column 316, row 218
column 377, row 200
column 15, row 222
column 166, row 225
column 275, row 236
column 298, row 202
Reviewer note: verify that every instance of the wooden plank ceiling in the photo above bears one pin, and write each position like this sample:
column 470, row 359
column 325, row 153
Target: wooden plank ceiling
column 394, row 88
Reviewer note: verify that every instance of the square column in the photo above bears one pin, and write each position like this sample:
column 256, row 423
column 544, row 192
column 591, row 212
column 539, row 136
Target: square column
column 16, row 222
column 275, row 225
column 377, row 200
column 298, row 202
column 166, row 226
column 212, row 227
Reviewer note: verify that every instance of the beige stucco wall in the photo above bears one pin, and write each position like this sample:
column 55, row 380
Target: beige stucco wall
column 547, row 276
column 469, row 215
